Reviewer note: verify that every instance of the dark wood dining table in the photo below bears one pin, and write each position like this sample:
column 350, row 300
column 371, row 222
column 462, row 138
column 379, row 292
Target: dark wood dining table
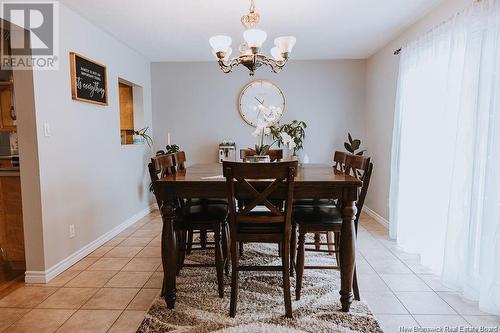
column 312, row 181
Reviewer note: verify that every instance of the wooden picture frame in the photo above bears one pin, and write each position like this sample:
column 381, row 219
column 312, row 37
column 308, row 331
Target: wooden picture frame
column 81, row 85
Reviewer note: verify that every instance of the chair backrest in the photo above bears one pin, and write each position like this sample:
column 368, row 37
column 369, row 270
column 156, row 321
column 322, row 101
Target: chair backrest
column 239, row 176
column 180, row 160
column 161, row 166
column 339, row 160
column 274, row 154
column 360, row 167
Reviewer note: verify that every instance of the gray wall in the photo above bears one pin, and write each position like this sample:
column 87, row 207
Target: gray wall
column 196, row 103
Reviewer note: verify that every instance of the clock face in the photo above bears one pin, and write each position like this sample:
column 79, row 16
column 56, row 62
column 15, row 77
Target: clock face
column 256, row 93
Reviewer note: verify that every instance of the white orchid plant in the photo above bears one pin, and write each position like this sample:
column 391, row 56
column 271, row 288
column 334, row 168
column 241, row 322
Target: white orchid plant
column 287, row 135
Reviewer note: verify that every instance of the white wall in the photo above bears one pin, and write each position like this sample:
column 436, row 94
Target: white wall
column 87, row 178
column 197, row 104
column 381, row 84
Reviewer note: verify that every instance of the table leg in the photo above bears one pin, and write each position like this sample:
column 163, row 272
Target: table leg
column 168, row 253
column 347, row 253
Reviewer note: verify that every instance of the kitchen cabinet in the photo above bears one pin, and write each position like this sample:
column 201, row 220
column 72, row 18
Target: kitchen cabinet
column 6, row 121
column 11, row 220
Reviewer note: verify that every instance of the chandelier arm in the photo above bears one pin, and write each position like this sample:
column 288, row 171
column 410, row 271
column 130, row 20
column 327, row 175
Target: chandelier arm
column 228, row 67
column 276, row 65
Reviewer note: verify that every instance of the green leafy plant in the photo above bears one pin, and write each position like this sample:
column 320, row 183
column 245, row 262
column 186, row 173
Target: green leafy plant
column 353, row 145
column 171, row 149
column 143, row 133
column 261, row 150
column 160, row 152
column 290, row 135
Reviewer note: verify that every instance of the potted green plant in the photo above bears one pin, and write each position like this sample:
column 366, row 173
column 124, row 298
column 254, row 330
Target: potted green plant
column 353, row 145
column 290, row 135
column 142, row 136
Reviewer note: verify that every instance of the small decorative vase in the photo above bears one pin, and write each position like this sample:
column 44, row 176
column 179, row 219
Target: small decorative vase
column 258, row 159
column 287, row 154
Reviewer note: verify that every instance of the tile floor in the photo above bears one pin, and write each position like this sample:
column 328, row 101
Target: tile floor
column 111, row 289
column 401, row 292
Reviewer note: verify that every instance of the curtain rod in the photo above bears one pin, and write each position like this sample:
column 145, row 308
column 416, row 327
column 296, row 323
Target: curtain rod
column 398, row 51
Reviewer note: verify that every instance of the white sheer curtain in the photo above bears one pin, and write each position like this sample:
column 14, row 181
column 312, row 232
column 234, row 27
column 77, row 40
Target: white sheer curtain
column 445, row 183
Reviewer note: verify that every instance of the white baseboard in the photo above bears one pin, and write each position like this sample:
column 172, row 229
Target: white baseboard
column 52, row 272
column 376, row 216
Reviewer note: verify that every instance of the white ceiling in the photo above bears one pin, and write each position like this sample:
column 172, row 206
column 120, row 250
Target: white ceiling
column 168, row 30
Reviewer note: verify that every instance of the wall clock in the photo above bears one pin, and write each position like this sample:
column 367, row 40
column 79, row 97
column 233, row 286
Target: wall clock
column 259, row 92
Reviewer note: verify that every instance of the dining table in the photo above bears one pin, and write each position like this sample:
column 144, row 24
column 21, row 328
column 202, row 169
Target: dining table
column 312, row 181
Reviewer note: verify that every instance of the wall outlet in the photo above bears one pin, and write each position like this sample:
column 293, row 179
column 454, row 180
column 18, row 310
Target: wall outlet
column 71, row 230
column 46, row 130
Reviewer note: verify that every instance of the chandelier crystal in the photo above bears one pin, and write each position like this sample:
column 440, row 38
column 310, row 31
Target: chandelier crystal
column 249, row 50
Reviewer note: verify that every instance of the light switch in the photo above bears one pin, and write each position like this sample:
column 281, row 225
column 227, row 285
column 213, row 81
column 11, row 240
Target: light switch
column 46, row 130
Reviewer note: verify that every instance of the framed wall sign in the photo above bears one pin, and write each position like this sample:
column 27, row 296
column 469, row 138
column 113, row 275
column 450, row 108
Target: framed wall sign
column 89, row 82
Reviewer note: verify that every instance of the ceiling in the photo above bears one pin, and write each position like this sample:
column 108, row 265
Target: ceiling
column 168, row 30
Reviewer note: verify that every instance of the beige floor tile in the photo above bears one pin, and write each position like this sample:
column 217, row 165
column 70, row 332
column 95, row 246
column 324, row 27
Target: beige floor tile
column 393, row 323
column 91, row 279
column 404, row 282
column 146, row 234
column 123, row 252
column 83, row 264
column 434, row 282
column 8, row 316
column 371, row 282
column 389, row 266
column 150, row 252
column 440, row 320
column 155, row 281
column 141, row 242
column 100, row 251
column 26, row 297
column 41, row 321
column 155, row 242
column 90, row 321
column 109, row 264
column 128, row 322
column 383, row 302
column 111, row 298
column 460, row 304
column 129, row 279
column 416, row 267
column 115, row 241
column 68, row 298
column 485, row 321
column 143, row 265
column 424, row 303
column 144, row 299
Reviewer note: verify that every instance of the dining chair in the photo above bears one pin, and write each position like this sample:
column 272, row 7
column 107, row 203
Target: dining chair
column 180, row 164
column 339, row 158
column 274, row 154
column 249, row 225
column 188, row 218
column 321, row 219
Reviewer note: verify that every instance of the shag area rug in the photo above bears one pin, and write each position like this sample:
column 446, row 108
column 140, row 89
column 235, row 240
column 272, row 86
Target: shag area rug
column 260, row 303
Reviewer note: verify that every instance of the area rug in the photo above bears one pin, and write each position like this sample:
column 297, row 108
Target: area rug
column 260, row 302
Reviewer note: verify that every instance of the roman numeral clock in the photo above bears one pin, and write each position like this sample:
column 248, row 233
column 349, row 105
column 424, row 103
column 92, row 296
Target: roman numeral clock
column 259, row 92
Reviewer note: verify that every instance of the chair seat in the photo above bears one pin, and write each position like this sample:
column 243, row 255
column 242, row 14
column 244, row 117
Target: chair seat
column 197, row 214
column 202, row 201
column 259, row 227
column 314, row 202
column 317, row 215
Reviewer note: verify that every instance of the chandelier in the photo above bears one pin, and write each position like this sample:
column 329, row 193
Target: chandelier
column 249, row 50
